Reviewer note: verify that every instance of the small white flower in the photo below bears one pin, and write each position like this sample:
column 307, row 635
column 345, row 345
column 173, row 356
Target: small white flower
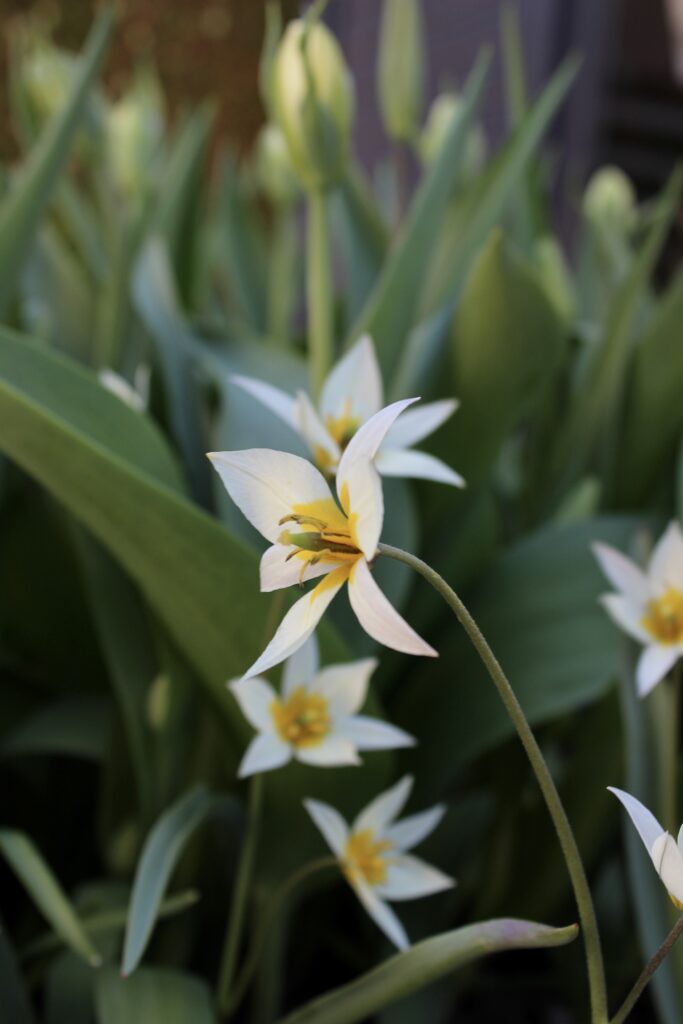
column 666, row 854
column 649, row 605
column 351, row 394
column 276, row 490
column 372, row 854
column 314, row 719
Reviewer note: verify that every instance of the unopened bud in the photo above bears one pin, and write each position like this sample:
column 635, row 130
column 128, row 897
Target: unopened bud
column 312, row 97
column 135, row 129
column 401, row 69
column 445, row 108
column 610, row 198
column 274, row 167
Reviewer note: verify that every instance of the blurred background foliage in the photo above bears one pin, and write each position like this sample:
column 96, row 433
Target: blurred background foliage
column 139, row 235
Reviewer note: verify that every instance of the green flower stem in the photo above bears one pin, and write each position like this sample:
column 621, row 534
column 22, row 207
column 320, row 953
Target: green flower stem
column 302, row 874
column 665, row 702
column 649, row 969
column 319, row 290
column 233, row 934
column 584, row 902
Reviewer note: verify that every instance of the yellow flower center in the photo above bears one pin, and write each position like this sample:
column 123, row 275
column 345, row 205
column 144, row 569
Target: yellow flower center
column 366, row 856
column 303, row 719
column 676, row 903
column 324, row 534
column 664, row 617
column 342, row 428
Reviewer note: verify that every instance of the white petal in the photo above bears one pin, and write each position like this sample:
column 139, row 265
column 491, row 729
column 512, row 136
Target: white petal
column 275, row 572
column 382, row 915
column 363, row 501
column 379, row 814
column 336, row 748
column 301, row 667
column 666, row 562
column 627, row 615
column 120, row 387
column 653, row 665
column 379, row 618
column 279, row 402
column 266, row 485
column 408, row 878
column 416, row 465
column 645, row 822
column 255, row 698
column 367, row 439
column 622, row 573
column 354, row 384
column 345, row 686
column 314, row 430
column 410, row 831
column 680, row 839
column 373, row 734
column 264, row 753
column 330, row 823
column 299, row 622
column 668, row 862
column 416, row 424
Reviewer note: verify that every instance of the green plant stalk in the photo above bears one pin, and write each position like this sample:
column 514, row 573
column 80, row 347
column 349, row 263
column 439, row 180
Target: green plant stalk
column 570, row 850
column 319, row 290
column 665, row 702
column 281, row 278
column 295, row 879
column 651, row 966
column 245, row 870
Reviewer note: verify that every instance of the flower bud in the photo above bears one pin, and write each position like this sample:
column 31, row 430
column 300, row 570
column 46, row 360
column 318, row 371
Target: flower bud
column 135, row 129
column 401, row 69
column 443, row 110
column 312, row 96
column 610, row 199
column 47, row 75
column 276, row 174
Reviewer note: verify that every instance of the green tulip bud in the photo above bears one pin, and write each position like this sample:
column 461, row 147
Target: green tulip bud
column 610, row 199
column 401, row 69
column 274, row 168
column 312, row 97
column 443, row 110
column 135, row 130
column 47, row 75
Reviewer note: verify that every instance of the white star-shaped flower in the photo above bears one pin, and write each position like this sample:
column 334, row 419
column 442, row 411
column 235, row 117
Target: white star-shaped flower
column 314, row 719
column 372, row 854
column 649, row 605
column 665, row 852
column 289, row 501
column 351, row 394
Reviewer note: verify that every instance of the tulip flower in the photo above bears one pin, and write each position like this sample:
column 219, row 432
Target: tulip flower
column 290, row 503
column 351, row 394
column 665, row 852
column 372, row 854
column 314, row 720
column 649, row 605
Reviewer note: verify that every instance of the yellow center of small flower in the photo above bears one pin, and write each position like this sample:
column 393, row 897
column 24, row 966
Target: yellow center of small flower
column 664, row 617
column 303, row 719
column 323, row 534
column 676, row 903
column 366, row 856
column 342, row 428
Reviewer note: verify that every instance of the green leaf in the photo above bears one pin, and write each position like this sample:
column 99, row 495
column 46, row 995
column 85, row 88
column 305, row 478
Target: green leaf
column 74, row 726
column 363, row 237
column 46, row 892
column 23, row 209
column 537, row 605
column 244, row 246
column 425, row 963
column 161, row 852
column 507, row 347
column 16, row 1006
column 655, row 411
column 153, row 997
column 389, row 308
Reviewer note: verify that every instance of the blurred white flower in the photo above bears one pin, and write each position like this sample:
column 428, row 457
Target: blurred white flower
column 666, row 854
column 136, row 396
column 649, row 605
column 351, row 394
column 314, row 720
column 275, row 489
column 372, row 854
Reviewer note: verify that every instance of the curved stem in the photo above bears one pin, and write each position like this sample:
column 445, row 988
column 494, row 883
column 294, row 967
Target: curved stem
column 319, row 290
column 233, row 934
column 577, row 874
column 239, row 989
column 653, row 963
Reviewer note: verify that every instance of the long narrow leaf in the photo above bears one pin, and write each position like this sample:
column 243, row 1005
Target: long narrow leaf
column 152, row 997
